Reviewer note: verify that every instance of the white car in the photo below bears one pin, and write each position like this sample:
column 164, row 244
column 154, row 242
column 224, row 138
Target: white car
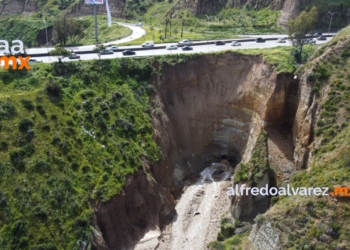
column 148, row 44
column 185, row 42
column 282, row 40
column 171, row 47
column 114, row 48
column 235, row 43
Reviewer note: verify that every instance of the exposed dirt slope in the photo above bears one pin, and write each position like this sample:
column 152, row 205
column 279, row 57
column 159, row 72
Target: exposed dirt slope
column 213, row 103
column 205, row 109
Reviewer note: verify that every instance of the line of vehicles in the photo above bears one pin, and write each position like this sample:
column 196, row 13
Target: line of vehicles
column 149, row 44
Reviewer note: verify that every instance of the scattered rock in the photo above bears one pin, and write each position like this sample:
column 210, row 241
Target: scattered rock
column 218, row 172
column 244, row 227
column 197, row 213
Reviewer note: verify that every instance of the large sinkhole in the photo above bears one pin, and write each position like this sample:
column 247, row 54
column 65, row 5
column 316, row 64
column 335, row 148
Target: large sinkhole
column 209, row 109
column 215, row 106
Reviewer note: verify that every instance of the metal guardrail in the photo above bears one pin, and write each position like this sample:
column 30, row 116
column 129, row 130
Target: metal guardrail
column 179, row 45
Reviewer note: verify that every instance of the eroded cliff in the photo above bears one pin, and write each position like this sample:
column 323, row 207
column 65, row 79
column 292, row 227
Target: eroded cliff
column 205, row 109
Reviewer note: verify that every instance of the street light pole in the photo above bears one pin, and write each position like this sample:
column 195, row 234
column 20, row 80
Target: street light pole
column 208, row 19
column 47, row 41
column 331, row 20
column 95, row 17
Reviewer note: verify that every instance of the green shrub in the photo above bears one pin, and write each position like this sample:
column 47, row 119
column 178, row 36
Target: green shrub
column 274, row 199
column 87, row 106
column 235, row 240
column 17, row 159
column 87, row 93
column 39, row 212
column 321, row 71
column 258, row 176
column 28, row 104
column 3, row 146
column 215, row 245
column 41, row 109
column 220, row 237
column 227, row 230
column 41, row 166
column 45, row 246
column 242, row 173
column 7, row 110
column 53, row 89
column 320, row 123
column 25, row 124
column 259, row 219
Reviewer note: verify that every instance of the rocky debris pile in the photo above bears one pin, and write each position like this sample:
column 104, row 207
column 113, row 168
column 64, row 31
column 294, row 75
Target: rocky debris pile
column 264, row 237
column 222, row 169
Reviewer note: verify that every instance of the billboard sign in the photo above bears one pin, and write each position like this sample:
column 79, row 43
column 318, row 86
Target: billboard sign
column 92, row 2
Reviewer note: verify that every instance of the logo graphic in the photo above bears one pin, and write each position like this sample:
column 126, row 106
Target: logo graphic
column 16, row 48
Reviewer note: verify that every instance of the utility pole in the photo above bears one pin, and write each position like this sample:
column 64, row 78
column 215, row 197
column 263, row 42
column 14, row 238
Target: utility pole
column 95, row 16
column 170, row 26
column 46, row 36
column 331, row 20
column 47, row 41
column 182, row 27
column 208, row 20
column 166, row 26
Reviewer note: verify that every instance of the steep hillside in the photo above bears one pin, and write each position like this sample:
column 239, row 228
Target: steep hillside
column 80, row 166
column 69, row 136
column 134, row 9
column 94, row 153
column 318, row 157
column 320, row 222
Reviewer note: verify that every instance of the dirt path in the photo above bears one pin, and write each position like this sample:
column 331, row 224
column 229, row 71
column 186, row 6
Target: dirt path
column 198, row 212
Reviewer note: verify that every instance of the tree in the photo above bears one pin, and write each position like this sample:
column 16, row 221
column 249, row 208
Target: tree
column 176, row 31
column 299, row 27
column 60, row 53
column 182, row 26
column 75, row 29
column 98, row 49
column 166, row 26
column 60, row 33
column 66, row 27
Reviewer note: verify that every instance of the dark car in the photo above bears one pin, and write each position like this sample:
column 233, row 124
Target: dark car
column 321, row 38
column 219, row 43
column 187, row 48
column 107, row 52
column 32, row 60
column 74, row 56
column 128, row 53
column 259, row 40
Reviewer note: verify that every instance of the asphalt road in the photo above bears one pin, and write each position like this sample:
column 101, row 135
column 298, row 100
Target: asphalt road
column 196, row 49
column 139, row 32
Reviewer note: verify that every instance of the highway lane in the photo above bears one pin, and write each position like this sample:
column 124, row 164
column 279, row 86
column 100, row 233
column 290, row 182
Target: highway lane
column 196, row 49
column 137, row 32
